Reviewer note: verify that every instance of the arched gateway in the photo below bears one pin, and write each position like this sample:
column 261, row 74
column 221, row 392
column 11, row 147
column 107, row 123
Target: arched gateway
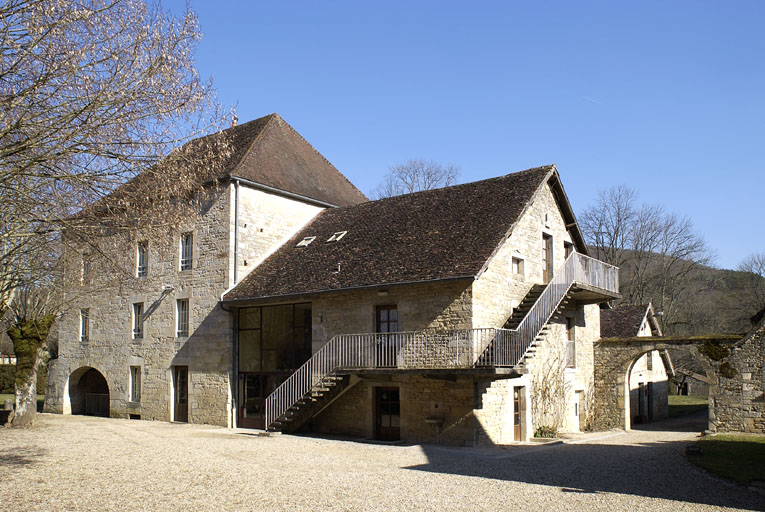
column 614, row 360
column 88, row 392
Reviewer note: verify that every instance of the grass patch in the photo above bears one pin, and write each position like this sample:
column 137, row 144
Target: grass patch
column 681, row 405
column 737, row 457
column 4, row 397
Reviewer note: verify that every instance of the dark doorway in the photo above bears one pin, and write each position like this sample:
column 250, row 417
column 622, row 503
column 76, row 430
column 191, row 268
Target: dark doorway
column 547, row 258
column 387, row 414
column 253, row 390
column 518, row 393
column 89, row 393
column 181, row 387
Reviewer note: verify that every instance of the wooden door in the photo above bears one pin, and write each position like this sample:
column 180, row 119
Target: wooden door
column 518, row 413
column 181, row 385
column 547, row 258
column 388, row 414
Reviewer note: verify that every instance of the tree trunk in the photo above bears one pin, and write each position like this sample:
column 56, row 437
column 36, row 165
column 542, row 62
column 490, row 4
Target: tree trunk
column 28, row 337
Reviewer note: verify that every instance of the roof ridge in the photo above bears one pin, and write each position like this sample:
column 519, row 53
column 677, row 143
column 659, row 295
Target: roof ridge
column 317, row 152
column 467, row 184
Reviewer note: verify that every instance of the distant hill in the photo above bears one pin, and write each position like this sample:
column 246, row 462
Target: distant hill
column 698, row 299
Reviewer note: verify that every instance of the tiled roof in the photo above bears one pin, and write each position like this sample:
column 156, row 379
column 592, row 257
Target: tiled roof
column 622, row 322
column 447, row 233
column 270, row 152
column 266, row 151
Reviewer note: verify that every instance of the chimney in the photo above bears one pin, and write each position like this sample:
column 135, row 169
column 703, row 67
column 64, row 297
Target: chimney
column 234, row 121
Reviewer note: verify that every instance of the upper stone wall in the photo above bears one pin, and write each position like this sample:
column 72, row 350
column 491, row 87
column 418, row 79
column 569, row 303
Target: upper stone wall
column 497, row 290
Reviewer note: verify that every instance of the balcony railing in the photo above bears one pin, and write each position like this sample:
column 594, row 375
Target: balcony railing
column 466, row 348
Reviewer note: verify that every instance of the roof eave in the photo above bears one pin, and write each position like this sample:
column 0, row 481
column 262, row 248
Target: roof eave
column 261, row 298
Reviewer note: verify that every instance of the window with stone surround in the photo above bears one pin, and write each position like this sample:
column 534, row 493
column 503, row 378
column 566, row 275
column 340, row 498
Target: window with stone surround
column 84, row 327
column 142, row 259
column 182, row 318
column 518, row 266
column 187, row 250
column 135, row 384
column 138, row 320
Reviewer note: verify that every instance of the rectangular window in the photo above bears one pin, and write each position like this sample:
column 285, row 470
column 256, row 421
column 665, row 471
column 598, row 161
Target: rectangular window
column 142, row 259
column 84, row 327
column 138, row 320
column 518, row 266
column 570, row 343
column 568, row 248
column 187, row 252
column 182, row 314
column 649, row 361
column 135, row 383
column 387, row 319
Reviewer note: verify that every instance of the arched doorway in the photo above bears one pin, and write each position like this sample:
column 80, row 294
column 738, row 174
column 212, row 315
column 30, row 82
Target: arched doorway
column 89, row 392
column 647, row 386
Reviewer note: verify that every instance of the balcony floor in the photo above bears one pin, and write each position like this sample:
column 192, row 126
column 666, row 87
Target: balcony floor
column 439, row 373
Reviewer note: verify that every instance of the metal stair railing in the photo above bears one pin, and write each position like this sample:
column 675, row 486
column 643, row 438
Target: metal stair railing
column 465, row 348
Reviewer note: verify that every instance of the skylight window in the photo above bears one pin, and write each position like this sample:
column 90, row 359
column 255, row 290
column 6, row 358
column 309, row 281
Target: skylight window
column 337, row 236
column 306, row 241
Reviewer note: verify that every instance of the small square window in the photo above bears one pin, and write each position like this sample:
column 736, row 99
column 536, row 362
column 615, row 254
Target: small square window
column 568, row 248
column 518, row 266
column 84, row 327
column 182, row 316
column 138, row 320
column 135, row 384
column 142, row 259
column 187, row 251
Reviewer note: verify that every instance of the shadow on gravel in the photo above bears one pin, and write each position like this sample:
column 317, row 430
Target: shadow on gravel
column 639, row 467
column 19, row 458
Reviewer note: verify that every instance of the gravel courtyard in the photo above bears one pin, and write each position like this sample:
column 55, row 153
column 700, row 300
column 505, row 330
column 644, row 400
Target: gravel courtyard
column 82, row 463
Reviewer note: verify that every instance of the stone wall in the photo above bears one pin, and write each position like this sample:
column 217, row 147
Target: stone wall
column 497, row 290
column 737, row 387
column 111, row 288
column 454, row 412
column 440, row 305
column 266, row 221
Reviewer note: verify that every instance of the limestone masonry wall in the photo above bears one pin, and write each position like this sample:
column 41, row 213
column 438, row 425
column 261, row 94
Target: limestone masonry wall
column 109, row 289
column 737, row 390
column 497, row 291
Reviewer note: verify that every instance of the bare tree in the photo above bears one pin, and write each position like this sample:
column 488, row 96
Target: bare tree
column 416, row 175
column 657, row 252
column 94, row 96
column 754, row 281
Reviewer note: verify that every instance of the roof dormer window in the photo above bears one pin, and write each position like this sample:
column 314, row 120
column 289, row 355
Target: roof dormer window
column 306, row 241
column 337, row 236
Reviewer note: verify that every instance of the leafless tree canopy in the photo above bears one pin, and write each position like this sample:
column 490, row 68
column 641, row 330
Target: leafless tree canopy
column 657, row 251
column 92, row 94
column 416, row 175
column 753, row 267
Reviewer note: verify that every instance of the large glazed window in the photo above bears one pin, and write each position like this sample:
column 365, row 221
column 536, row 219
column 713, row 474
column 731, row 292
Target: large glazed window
column 274, row 338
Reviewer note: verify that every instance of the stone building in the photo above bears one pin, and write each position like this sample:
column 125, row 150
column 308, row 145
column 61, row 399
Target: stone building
column 648, row 377
column 737, row 382
column 463, row 315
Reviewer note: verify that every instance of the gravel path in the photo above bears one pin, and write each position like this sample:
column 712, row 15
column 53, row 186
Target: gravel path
column 79, row 463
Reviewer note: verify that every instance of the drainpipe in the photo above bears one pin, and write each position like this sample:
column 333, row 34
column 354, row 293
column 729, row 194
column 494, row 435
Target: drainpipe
column 236, row 231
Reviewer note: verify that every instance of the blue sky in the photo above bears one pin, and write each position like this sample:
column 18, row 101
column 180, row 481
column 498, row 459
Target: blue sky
column 667, row 97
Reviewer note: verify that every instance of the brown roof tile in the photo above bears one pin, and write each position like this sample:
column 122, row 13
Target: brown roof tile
column 447, row 233
column 622, row 322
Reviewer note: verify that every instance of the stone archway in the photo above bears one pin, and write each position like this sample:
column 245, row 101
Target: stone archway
column 88, row 392
column 614, row 359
